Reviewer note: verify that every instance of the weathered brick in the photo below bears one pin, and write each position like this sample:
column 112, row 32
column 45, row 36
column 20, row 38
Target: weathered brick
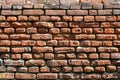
column 44, row 18
column 16, row 56
column 77, row 62
column 26, row 76
column 6, row 75
column 64, row 49
column 43, row 24
column 41, row 36
column 44, row 69
column 15, row 1
column 47, row 76
column 107, row 49
column 35, row 63
column 89, row 69
column 14, row 62
column 84, row 49
column 11, row 12
column 77, row 18
column 85, row 36
column 106, row 37
column 91, row 76
column 55, row 12
column 77, row 69
column 33, row 69
column 20, row 49
column 49, row 56
column 88, row 18
column 33, row 12
column 57, row 63
column 111, row 68
column 42, row 49
column 77, row 12
column 104, row 55
column 26, row 56
column 99, row 69
column 100, row 62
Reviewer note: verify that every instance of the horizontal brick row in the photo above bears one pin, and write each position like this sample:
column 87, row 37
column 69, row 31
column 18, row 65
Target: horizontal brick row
column 37, row 12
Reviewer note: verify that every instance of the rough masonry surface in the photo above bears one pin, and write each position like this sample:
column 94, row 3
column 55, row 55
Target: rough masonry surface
column 60, row 39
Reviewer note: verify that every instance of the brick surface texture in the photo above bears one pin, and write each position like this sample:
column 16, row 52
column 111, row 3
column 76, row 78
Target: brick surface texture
column 59, row 39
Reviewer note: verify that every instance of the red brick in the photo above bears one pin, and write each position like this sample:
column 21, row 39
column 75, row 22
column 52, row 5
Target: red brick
column 107, row 49
column 20, row 30
column 84, row 36
column 107, row 43
column 111, row 68
column 76, row 30
column 54, row 31
column 16, row 56
column 32, row 30
column 104, row 55
column 42, row 49
column 82, row 56
column 85, row 43
column 44, row 18
column 22, row 69
column 52, row 43
column 55, row 12
column 115, row 55
column 77, row 69
column 88, row 18
column 49, row 56
column 60, row 56
column 44, row 69
column 93, row 56
column 116, row 43
column 11, row 18
column 57, row 62
column 2, row 18
column 26, row 56
column 70, row 56
column 97, row 30
column 28, row 43
column 74, row 43
column 33, row 18
column 35, row 63
column 100, row 18
column 74, row 24
column 87, row 30
column 91, row 76
column 4, row 49
column 86, row 49
column 67, row 18
column 47, row 76
column 61, row 24
column 4, row 24
column 100, row 62
column 2, row 69
column 77, row 12
column 43, row 24
column 92, row 12
column 63, row 43
column 9, row 30
column 21, row 24
column 38, row 55
column 15, row 43
column 15, row 1
column 109, row 76
column 55, row 18
column 104, row 12
column 33, row 12
column 64, row 49
column 65, row 30
column 106, row 37
column 11, row 12
column 43, row 30
column 55, row 69
column 3, row 37
column 99, row 69
column 14, row 62
column 77, row 18
column 6, row 75
column 20, row 49
column 4, row 43
column 26, row 76
column 111, row 18
column 88, row 69
column 67, row 69
column 41, row 36
column 109, row 30
column 33, row 69
column 11, row 69
column 68, row 76
column 22, row 18
column 77, row 62
column 41, row 43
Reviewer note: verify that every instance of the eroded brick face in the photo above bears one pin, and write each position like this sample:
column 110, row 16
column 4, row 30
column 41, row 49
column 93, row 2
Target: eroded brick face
column 60, row 39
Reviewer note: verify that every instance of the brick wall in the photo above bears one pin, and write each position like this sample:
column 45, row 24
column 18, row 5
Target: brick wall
column 59, row 39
